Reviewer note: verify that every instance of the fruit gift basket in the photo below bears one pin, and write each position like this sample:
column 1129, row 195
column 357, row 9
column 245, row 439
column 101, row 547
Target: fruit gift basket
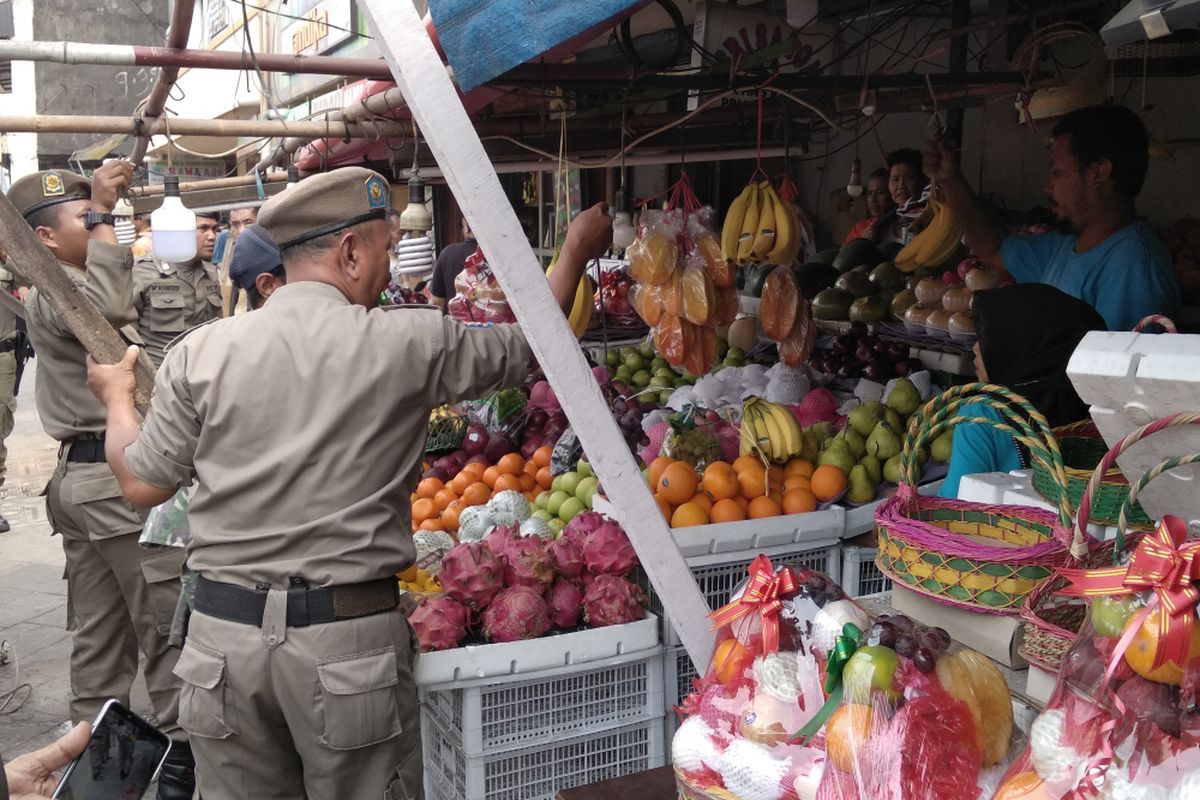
column 777, row 638
column 1122, row 723
column 977, row 556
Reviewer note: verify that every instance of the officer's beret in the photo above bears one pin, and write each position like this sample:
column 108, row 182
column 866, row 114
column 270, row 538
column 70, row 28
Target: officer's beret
column 323, row 204
column 253, row 254
column 47, row 188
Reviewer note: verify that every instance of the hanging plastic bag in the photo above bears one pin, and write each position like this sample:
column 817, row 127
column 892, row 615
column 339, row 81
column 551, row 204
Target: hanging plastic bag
column 477, row 294
column 780, row 303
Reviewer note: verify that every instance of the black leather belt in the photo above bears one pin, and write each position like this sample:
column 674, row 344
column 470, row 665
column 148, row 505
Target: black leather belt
column 305, row 605
column 85, row 451
column 8, row 345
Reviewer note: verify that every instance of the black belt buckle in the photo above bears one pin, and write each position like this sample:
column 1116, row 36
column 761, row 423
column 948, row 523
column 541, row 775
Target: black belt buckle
column 297, row 603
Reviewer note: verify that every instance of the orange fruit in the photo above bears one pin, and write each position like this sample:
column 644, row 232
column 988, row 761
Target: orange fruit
column 429, row 487
column 848, row 729
column 729, row 510
column 444, row 498
column 763, row 507
column 476, row 494
column 531, row 468
column 655, row 469
column 689, row 514
column 744, row 503
column 527, row 481
column 433, row 524
column 796, row 482
column 511, row 464
column 459, row 483
column 775, row 490
column 1140, row 655
column 828, row 482
column 423, row 509
column 507, row 483
column 798, row 467
column 1023, row 786
column 701, row 499
column 730, row 660
column 775, row 474
column 678, row 482
column 799, row 501
column 541, row 456
column 544, row 477
column 490, row 475
column 743, row 463
column 720, row 481
column 752, row 483
column 475, row 468
column 664, row 507
column 450, row 516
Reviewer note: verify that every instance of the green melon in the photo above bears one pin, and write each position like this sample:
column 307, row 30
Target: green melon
column 855, row 254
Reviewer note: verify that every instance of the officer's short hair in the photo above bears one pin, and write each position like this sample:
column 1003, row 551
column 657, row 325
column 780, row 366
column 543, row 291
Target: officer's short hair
column 1111, row 133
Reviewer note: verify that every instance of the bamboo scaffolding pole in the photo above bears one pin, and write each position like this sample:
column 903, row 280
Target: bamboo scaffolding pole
column 156, row 101
column 62, row 123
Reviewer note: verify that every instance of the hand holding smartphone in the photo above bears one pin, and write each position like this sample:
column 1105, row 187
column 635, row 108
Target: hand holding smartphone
column 122, row 758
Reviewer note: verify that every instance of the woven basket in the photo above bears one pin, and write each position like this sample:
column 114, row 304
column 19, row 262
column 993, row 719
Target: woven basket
column 689, row 792
column 1082, row 448
column 1052, row 621
column 984, row 558
column 445, row 433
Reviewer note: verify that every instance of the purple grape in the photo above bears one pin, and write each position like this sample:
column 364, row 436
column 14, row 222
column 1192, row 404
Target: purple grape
column 902, row 623
column 816, row 584
column 834, row 592
column 943, row 635
column 931, row 641
column 906, row 645
column 882, row 633
column 924, row 661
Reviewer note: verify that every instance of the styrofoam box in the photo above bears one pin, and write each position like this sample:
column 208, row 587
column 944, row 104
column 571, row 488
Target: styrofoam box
column 540, row 771
column 861, row 519
column 1130, row 379
column 1026, row 495
column 557, row 704
column 860, row 575
column 477, row 664
column 989, row 487
column 1039, row 684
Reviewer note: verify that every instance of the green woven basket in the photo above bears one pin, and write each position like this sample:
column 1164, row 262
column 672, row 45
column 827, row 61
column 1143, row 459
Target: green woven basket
column 1082, row 448
column 446, row 430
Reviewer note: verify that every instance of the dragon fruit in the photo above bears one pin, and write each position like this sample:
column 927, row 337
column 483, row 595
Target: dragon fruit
column 528, row 563
column 564, row 601
column 440, row 623
column 471, row 574
column 611, row 600
column 568, row 558
column 499, row 538
column 608, row 551
column 518, row 612
column 581, row 525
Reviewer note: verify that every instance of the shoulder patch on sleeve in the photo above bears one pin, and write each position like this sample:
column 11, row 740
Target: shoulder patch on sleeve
column 188, row 332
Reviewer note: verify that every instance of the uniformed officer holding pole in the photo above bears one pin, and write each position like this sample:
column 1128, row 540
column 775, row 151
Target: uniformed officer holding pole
column 121, row 597
column 305, row 424
column 171, row 298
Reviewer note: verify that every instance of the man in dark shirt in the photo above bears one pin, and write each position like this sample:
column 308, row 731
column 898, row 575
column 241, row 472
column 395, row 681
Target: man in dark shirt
column 448, row 265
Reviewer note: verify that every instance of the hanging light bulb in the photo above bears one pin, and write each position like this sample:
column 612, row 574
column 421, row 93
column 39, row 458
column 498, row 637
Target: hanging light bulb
column 415, row 216
column 854, row 187
column 623, row 231
column 173, row 226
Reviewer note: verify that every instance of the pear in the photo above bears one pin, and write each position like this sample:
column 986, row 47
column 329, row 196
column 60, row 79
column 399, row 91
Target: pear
column 891, row 469
column 904, row 398
column 874, row 468
column 822, row 430
column 883, row 443
column 838, row 454
column 856, row 441
column 811, row 448
column 864, row 418
column 943, row 447
column 922, row 456
column 861, row 487
column 899, row 424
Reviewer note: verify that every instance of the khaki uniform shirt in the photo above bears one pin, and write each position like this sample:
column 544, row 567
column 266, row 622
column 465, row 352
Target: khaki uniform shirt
column 64, row 402
column 170, row 299
column 8, row 320
column 305, row 424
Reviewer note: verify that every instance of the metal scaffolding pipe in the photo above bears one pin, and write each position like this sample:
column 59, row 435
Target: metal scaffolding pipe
column 156, row 101
column 212, row 183
column 381, row 103
column 179, row 126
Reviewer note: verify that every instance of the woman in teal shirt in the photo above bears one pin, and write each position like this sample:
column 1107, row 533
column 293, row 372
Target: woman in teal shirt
column 1026, row 335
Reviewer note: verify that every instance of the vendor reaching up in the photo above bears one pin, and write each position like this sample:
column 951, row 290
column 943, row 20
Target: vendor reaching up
column 1108, row 257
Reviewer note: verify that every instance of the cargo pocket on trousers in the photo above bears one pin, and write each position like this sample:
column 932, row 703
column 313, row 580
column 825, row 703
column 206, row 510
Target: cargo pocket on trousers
column 103, row 508
column 409, row 781
column 161, row 573
column 202, row 697
column 358, row 699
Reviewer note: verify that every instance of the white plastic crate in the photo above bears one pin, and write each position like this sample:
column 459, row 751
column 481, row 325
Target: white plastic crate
column 541, row 771
column 560, row 703
column 860, row 575
column 678, row 674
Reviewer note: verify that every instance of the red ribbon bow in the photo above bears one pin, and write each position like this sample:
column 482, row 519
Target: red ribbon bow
column 1164, row 562
column 762, row 595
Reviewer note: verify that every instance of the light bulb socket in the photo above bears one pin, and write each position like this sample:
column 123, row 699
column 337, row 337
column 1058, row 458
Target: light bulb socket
column 293, row 175
column 416, row 189
column 171, row 186
column 621, row 201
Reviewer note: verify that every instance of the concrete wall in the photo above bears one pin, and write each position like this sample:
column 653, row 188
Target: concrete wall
column 21, row 147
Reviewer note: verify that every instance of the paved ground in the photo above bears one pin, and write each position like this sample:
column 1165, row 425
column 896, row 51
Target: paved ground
column 33, row 594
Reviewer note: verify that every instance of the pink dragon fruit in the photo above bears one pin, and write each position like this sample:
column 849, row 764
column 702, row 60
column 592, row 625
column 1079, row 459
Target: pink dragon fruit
column 528, row 563
column 581, row 525
column 608, row 551
column 568, row 557
column 517, row 613
column 612, row 601
column 472, row 575
column 564, row 600
column 500, row 537
column 440, row 623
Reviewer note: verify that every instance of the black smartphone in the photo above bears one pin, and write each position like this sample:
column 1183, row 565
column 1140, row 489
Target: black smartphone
column 120, row 761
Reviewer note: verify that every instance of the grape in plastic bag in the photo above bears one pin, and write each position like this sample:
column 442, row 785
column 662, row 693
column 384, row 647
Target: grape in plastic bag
column 780, row 303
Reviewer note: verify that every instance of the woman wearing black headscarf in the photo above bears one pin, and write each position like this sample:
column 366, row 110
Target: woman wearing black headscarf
column 1026, row 335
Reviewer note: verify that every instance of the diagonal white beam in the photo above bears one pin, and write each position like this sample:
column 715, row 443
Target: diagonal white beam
column 435, row 105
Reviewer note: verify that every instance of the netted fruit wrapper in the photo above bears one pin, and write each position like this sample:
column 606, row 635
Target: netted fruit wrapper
column 1122, row 723
column 477, row 294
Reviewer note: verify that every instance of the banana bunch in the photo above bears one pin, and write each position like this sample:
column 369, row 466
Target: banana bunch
column 585, row 298
column 940, row 239
column 761, row 228
column 769, row 429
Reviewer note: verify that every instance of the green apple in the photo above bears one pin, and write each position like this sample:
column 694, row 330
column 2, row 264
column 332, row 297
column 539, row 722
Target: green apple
column 623, row 374
column 635, row 361
column 641, row 379
column 646, row 347
column 570, row 482
column 556, row 502
column 659, row 382
column 584, row 468
column 664, row 396
column 556, row 525
column 658, row 362
column 735, row 353
column 542, row 514
column 1110, row 615
column 542, row 500
column 556, row 483
column 871, row 668
column 587, row 490
column 569, row 508
column 612, row 359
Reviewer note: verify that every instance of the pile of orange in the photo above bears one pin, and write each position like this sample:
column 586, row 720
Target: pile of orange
column 436, row 506
column 745, row 489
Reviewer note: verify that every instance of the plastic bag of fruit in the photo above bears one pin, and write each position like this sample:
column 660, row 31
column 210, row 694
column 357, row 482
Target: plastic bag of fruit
column 691, row 439
column 765, row 682
column 1122, row 722
column 918, row 718
column 477, row 294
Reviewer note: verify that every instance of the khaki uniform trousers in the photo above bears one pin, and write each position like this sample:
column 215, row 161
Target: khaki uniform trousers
column 324, row 712
column 8, row 406
column 120, row 596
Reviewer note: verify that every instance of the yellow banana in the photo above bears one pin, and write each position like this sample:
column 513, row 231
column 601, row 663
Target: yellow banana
column 750, row 432
column 770, row 436
column 749, row 226
column 732, row 228
column 764, row 239
column 793, row 437
column 785, row 230
column 938, row 242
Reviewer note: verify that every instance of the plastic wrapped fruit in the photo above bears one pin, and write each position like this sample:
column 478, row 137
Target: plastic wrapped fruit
column 653, row 258
column 795, row 349
column 647, row 303
column 727, row 307
column 668, row 338
column 976, row 681
column 671, row 294
column 780, row 303
column 718, row 269
column 699, row 296
column 700, row 352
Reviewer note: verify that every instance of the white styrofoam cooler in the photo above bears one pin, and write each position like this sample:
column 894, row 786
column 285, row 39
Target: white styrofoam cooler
column 1130, row 379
